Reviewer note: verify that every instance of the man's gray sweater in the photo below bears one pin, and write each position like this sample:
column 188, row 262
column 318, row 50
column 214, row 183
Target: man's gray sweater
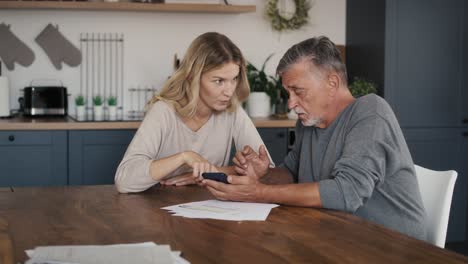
column 363, row 166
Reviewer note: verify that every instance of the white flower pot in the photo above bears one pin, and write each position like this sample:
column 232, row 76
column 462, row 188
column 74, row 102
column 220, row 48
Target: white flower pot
column 98, row 113
column 112, row 112
column 259, row 104
column 80, row 112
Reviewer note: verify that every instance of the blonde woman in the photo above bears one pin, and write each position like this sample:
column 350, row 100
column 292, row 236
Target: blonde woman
column 191, row 124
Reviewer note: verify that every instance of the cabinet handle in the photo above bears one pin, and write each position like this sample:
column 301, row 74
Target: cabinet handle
column 11, row 138
column 281, row 135
column 465, row 134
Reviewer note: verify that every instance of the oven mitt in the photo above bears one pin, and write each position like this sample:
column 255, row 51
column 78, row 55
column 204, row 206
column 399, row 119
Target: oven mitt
column 12, row 49
column 58, row 48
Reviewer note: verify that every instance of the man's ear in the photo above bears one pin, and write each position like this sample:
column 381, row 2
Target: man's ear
column 333, row 83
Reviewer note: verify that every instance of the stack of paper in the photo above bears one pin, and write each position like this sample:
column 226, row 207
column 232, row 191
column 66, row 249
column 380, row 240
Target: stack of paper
column 214, row 209
column 143, row 253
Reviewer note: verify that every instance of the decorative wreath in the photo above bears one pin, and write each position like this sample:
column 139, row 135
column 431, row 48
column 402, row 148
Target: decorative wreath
column 280, row 23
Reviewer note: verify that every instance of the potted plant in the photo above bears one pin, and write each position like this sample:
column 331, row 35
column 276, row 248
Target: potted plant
column 112, row 107
column 360, row 87
column 280, row 99
column 97, row 108
column 261, row 91
column 80, row 107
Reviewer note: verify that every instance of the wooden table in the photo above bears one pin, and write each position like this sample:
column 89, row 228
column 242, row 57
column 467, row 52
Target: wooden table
column 99, row 215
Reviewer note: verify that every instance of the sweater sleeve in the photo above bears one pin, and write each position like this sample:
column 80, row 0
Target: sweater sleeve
column 245, row 133
column 369, row 145
column 133, row 173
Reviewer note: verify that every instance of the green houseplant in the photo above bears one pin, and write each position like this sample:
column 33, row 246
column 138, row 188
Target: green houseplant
column 259, row 81
column 360, row 87
column 280, row 99
column 97, row 100
column 112, row 107
column 97, row 108
column 80, row 107
column 79, row 100
column 112, row 101
column 262, row 90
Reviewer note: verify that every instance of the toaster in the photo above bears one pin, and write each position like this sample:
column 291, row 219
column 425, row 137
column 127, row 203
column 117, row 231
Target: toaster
column 45, row 100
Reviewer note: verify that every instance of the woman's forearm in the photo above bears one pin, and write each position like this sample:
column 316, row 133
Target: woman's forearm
column 163, row 167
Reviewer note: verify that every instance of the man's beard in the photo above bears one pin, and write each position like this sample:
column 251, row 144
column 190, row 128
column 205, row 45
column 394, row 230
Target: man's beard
column 308, row 122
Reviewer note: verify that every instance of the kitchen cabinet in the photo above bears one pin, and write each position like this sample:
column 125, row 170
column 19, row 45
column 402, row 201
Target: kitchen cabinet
column 94, row 155
column 417, row 52
column 83, row 157
column 444, row 149
column 276, row 141
column 33, row 158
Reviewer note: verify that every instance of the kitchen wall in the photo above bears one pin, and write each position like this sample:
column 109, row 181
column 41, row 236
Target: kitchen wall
column 152, row 39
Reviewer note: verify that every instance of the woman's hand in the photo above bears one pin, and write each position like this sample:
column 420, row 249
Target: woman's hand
column 191, row 157
column 194, row 177
column 180, row 180
column 198, row 164
column 201, row 167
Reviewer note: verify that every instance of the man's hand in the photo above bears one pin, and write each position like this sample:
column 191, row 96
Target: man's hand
column 250, row 163
column 241, row 188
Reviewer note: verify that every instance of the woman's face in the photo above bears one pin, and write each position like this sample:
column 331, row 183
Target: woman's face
column 218, row 86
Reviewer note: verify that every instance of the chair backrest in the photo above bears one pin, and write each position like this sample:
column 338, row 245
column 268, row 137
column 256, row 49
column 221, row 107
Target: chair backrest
column 436, row 191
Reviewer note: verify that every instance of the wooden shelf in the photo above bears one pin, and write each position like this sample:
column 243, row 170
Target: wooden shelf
column 128, row 6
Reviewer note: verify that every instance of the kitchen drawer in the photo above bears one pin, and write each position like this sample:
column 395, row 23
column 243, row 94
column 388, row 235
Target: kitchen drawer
column 19, row 138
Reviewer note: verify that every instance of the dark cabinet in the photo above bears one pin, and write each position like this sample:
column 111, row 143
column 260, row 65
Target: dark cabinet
column 444, row 149
column 95, row 154
column 424, row 81
column 276, row 141
column 33, row 158
column 417, row 51
column 82, row 157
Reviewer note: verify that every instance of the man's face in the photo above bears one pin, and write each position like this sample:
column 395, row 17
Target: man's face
column 308, row 93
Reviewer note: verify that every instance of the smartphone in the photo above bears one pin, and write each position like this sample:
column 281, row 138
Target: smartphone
column 216, row 176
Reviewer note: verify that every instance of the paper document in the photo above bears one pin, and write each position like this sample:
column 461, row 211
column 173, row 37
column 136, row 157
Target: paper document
column 215, row 209
column 147, row 252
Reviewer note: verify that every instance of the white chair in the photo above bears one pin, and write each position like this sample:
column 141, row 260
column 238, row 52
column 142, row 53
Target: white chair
column 436, row 191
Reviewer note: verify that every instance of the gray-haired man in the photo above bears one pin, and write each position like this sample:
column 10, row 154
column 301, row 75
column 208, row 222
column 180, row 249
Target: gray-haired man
column 349, row 155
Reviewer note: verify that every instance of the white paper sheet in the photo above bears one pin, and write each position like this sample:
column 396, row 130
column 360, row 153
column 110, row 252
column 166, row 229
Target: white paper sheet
column 147, row 252
column 215, row 209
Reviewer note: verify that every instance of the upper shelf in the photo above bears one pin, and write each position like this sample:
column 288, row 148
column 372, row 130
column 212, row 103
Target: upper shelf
column 128, row 6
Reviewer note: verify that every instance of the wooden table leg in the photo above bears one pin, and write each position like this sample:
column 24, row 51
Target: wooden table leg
column 6, row 246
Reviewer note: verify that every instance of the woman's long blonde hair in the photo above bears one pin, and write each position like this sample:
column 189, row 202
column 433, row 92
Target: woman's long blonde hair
column 207, row 52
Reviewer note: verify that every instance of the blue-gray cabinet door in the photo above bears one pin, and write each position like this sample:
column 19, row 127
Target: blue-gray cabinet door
column 423, row 61
column 276, row 141
column 33, row 158
column 95, row 154
column 464, row 85
column 442, row 149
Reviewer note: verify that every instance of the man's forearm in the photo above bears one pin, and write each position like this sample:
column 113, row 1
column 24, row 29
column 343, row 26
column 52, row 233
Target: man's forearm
column 305, row 194
column 277, row 176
